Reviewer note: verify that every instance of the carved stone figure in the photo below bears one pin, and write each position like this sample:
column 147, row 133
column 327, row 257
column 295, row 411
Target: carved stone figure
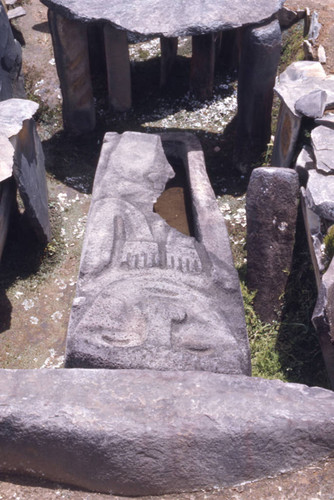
column 149, row 296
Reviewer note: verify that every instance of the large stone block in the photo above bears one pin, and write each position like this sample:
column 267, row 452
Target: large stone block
column 143, row 432
column 272, row 200
column 147, row 295
column 11, row 80
column 23, row 157
column 162, row 18
column 260, row 53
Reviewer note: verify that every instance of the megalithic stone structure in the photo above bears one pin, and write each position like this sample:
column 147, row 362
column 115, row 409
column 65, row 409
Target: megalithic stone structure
column 260, row 53
column 144, row 432
column 147, row 295
column 272, row 201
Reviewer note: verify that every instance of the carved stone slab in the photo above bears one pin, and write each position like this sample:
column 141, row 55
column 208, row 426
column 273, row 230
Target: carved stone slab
column 149, row 296
column 143, row 432
column 163, row 18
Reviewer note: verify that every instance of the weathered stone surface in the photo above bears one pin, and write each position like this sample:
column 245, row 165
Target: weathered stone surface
column 7, row 200
column 118, row 68
column 147, row 295
column 13, row 112
column 287, row 130
column 312, row 223
column 301, row 78
column 304, row 162
column 70, row 46
column 255, row 91
column 272, row 199
column 323, row 319
column 160, row 18
column 19, row 135
column 11, row 80
column 287, row 17
column 312, row 105
column 315, row 27
column 319, row 194
column 322, row 54
column 202, row 65
column 327, row 119
column 323, row 144
column 136, row 432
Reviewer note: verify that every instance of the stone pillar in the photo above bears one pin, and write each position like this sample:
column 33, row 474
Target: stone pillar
column 288, row 126
column 202, row 65
column 323, row 320
column 168, row 48
column 260, row 53
column 118, row 68
column 70, row 47
column 272, row 201
column 227, row 50
column 7, row 202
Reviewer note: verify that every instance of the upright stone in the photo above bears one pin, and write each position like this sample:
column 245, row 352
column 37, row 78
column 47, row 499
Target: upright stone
column 118, row 68
column 149, row 296
column 202, row 65
column 272, row 200
column 288, row 126
column 70, row 46
column 260, row 53
column 168, row 48
column 11, row 79
column 25, row 160
column 323, row 320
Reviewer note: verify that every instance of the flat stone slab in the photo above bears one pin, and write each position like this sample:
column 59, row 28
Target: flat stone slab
column 299, row 80
column 323, row 145
column 327, row 119
column 143, row 432
column 147, row 295
column 24, row 159
column 163, row 18
column 13, row 112
column 319, row 194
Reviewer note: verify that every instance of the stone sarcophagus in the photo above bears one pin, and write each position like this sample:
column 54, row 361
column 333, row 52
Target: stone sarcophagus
column 148, row 296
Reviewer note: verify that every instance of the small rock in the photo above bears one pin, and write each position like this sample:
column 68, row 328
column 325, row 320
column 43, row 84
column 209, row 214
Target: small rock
column 322, row 54
column 304, row 162
column 308, row 51
column 312, row 105
column 288, row 17
column 315, row 27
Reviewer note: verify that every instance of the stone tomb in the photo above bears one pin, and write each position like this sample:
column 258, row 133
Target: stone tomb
column 149, row 296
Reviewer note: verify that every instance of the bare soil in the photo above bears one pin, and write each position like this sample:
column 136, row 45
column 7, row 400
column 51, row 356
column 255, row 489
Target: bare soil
column 35, row 302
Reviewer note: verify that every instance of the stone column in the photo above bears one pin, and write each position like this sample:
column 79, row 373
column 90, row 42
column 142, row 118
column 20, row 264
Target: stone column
column 260, row 53
column 168, row 48
column 272, row 201
column 7, row 202
column 70, row 47
column 288, row 126
column 202, row 65
column 227, row 50
column 118, row 68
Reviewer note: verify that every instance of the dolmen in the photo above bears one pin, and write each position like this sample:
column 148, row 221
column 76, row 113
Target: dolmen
column 84, row 32
column 159, row 397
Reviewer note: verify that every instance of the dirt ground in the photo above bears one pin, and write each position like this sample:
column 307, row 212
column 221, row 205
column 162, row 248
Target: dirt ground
column 35, row 312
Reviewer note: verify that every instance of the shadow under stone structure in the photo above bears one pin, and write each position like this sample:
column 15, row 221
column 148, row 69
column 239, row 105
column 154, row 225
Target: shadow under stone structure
column 204, row 20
